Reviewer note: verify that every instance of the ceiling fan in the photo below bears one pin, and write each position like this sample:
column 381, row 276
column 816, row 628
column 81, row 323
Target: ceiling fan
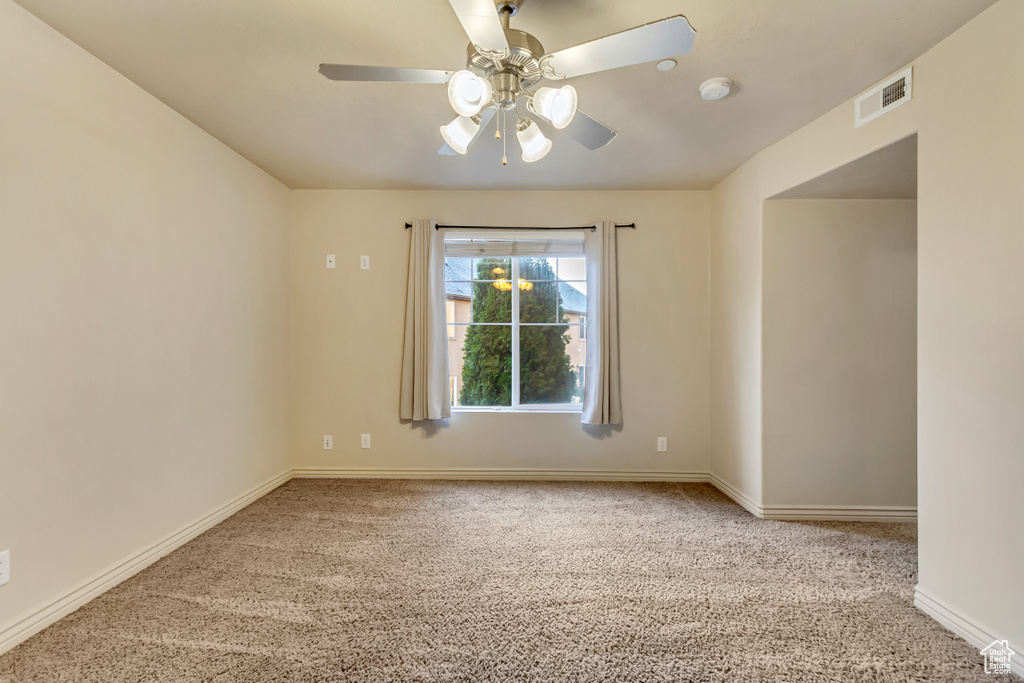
column 504, row 65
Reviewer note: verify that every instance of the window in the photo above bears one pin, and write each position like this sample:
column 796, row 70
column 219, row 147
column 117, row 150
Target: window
column 449, row 310
column 583, row 328
column 513, row 315
column 583, row 375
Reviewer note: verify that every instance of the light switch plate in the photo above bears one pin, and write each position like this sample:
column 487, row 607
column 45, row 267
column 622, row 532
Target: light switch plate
column 5, row 567
column 330, row 260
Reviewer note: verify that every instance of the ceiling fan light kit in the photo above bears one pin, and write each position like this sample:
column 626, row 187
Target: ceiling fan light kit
column 557, row 105
column 468, row 93
column 460, row 133
column 504, row 65
column 535, row 145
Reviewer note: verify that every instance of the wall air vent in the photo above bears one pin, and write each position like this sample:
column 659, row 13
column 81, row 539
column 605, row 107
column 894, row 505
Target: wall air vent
column 889, row 94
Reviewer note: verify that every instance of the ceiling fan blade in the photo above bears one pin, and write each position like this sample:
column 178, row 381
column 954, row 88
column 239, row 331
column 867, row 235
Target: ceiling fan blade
column 662, row 39
column 355, row 72
column 589, row 132
column 485, row 118
column 480, row 20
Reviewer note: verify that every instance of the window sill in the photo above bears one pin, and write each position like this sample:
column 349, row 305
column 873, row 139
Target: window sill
column 558, row 410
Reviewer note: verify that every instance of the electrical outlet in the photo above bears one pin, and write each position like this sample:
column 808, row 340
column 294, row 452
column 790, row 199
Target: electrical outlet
column 662, row 444
column 364, row 262
column 364, row 441
column 5, row 567
column 330, row 260
column 328, row 442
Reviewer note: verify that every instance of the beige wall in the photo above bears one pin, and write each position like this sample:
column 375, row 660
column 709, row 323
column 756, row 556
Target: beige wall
column 735, row 354
column 348, row 327
column 970, row 330
column 840, row 352
column 144, row 341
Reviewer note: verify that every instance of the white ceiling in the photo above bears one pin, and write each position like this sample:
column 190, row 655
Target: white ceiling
column 246, row 72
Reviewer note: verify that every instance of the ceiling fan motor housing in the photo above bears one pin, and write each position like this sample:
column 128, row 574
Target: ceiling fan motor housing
column 510, row 7
column 523, row 63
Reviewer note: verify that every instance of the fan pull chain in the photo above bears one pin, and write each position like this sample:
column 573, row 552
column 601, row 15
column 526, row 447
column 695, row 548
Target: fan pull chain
column 504, row 121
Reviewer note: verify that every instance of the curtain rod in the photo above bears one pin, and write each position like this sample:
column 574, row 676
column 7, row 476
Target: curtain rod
column 632, row 226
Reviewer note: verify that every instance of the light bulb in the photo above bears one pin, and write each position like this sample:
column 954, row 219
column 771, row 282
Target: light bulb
column 459, row 133
column 468, row 93
column 533, row 142
column 557, row 105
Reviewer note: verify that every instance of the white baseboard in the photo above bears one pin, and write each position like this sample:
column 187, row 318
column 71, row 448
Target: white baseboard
column 499, row 474
column 967, row 628
column 728, row 489
column 840, row 513
column 830, row 513
column 22, row 628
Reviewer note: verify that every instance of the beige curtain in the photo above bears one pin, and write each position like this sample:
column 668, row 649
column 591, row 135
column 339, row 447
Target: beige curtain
column 425, row 392
column 602, row 396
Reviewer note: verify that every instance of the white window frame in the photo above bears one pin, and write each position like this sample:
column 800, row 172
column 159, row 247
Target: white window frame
column 514, row 325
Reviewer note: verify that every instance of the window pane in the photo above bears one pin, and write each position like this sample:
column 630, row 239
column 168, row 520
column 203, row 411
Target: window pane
column 538, row 302
column 546, row 367
column 491, row 304
column 457, row 274
column 571, row 301
column 572, row 269
column 492, row 292
column 480, row 360
column 492, row 268
column 552, row 307
column 576, row 334
column 534, row 269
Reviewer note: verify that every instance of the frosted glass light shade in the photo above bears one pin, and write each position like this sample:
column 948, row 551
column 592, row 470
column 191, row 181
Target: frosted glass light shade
column 557, row 105
column 459, row 133
column 468, row 93
column 535, row 145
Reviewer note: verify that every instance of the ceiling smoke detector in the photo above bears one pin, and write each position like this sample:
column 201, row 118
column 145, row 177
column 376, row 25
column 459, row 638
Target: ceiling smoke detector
column 715, row 88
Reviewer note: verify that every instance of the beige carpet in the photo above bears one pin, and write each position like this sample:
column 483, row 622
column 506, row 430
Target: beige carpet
column 337, row 580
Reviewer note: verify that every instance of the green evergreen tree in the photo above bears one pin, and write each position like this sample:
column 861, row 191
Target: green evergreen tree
column 545, row 368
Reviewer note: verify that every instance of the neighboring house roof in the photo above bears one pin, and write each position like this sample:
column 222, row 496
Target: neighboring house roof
column 458, row 269
column 458, row 272
column 573, row 300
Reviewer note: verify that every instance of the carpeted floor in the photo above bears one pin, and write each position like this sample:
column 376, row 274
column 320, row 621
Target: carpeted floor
column 357, row 580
